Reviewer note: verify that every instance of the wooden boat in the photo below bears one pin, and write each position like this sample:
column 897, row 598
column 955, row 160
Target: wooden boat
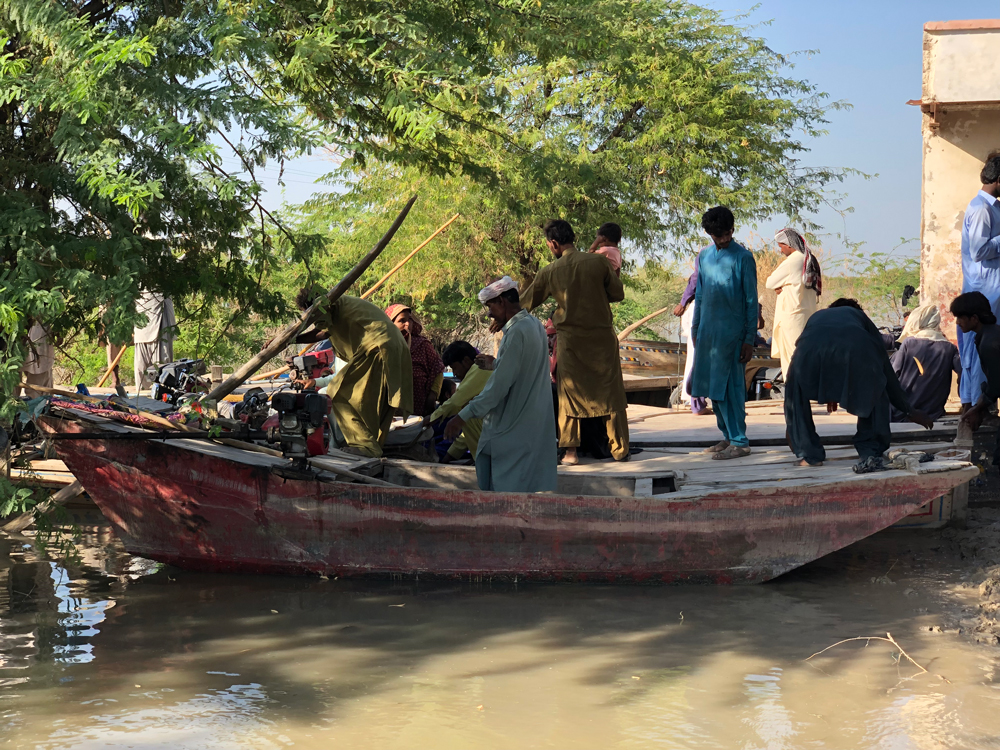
column 211, row 507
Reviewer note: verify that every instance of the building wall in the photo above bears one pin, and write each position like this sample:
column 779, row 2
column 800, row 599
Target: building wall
column 956, row 143
column 961, row 127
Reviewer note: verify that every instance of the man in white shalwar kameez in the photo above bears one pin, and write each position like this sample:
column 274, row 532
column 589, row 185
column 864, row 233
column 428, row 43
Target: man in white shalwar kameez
column 798, row 283
column 154, row 343
column 517, row 448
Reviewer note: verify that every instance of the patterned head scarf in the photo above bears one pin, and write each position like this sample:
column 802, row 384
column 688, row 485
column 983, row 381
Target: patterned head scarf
column 494, row 290
column 812, row 276
column 395, row 310
column 924, row 322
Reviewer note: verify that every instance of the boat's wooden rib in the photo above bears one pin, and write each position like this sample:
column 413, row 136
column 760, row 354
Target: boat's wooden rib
column 217, row 508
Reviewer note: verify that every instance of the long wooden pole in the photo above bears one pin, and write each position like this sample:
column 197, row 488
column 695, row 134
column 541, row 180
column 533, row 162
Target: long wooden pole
column 639, row 323
column 281, row 340
column 406, row 260
column 114, row 364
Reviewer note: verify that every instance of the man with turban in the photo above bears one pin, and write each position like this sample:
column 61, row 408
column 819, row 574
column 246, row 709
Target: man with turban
column 798, row 283
column 589, row 375
column 377, row 381
column 924, row 362
column 517, row 447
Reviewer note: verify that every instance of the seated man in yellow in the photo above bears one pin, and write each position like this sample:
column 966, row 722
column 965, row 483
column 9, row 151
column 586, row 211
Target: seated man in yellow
column 377, row 381
column 460, row 357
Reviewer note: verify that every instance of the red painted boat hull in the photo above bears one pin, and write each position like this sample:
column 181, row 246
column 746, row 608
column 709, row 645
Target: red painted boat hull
column 208, row 513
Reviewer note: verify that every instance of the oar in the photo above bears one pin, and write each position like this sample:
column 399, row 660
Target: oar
column 406, row 260
column 640, row 323
column 280, row 341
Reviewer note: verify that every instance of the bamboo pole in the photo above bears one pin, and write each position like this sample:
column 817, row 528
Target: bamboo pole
column 281, row 370
column 100, row 383
column 639, row 323
column 406, row 260
column 281, row 340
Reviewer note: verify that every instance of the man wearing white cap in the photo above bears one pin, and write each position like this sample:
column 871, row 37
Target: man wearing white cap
column 517, row 449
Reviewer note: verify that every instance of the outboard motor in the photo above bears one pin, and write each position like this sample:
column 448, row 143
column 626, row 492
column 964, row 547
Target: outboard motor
column 172, row 381
column 313, row 364
column 298, row 425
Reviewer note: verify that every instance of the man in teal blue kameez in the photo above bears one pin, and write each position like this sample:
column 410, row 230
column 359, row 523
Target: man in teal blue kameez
column 725, row 322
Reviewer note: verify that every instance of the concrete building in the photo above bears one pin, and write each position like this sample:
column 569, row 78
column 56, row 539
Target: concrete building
column 961, row 127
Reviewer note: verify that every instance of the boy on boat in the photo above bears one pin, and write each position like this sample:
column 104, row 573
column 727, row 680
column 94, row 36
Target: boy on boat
column 840, row 360
column 460, row 356
column 517, row 448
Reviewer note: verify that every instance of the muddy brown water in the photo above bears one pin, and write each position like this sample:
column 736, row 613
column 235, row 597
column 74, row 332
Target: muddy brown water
column 118, row 652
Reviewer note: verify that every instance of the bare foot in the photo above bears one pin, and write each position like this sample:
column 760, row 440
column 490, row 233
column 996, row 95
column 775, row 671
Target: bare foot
column 570, row 458
column 803, row 462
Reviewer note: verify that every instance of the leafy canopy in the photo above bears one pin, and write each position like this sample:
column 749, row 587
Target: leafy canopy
column 644, row 113
column 131, row 133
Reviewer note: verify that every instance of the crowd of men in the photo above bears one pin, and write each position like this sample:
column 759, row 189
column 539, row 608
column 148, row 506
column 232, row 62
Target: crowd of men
column 555, row 389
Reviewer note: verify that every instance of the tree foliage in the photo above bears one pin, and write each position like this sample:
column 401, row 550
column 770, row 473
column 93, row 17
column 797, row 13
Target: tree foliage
column 131, row 133
column 640, row 113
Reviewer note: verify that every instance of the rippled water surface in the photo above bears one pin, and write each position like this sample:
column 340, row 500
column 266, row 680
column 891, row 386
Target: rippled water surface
column 115, row 651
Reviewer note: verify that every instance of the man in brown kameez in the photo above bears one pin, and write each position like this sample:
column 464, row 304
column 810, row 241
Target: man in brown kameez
column 377, row 381
column 589, row 376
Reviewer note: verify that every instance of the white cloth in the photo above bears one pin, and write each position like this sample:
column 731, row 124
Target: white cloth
column 159, row 311
column 686, row 320
column 37, row 368
column 154, row 343
column 147, row 355
column 923, row 322
column 796, row 304
column 494, row 290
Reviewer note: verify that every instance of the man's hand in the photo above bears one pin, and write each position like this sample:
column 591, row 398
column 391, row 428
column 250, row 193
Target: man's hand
column 599, row 242
column 921, row 419
column 831, row 407
column 679, row 310
column 495, row 326
column 746, row 353
column 454, row 428
column 778, row 290
column 973, row 417
column 485, row 361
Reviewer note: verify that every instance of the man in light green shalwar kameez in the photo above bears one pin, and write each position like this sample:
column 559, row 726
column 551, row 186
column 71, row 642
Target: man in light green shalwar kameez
column 377, row 382
column 517, row 449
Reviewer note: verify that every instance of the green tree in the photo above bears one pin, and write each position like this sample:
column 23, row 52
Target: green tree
column 131, row 134
column 642, row 113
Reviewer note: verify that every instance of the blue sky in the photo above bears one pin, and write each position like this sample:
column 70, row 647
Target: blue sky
column 868, row 53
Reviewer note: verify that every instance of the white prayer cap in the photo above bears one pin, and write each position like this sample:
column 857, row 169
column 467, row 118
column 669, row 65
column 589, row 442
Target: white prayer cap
column 497, row 288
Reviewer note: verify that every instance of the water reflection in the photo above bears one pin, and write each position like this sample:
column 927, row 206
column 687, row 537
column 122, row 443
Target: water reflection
column 112, row 651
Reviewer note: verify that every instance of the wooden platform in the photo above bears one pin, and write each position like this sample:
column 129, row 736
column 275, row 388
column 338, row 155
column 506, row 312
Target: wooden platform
column 654, row 427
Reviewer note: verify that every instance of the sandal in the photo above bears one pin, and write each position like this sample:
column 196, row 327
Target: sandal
column 870, row 464
column 733, row 451
column 718, row 447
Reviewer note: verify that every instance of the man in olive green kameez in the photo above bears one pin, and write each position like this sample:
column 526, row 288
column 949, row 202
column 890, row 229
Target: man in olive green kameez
column 377, row 381
column 589, row 372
